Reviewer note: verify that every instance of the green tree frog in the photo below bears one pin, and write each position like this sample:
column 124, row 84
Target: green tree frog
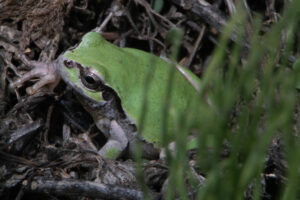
column 110, row 84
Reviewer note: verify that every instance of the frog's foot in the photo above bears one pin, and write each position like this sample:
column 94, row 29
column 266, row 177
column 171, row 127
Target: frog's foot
column 171, row 148
column 46, row 72
column 191, row 144
column 117, row 142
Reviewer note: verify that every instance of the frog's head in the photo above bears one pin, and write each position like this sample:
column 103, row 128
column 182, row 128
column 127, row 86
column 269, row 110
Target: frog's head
column 85, row 67
column 85, row 80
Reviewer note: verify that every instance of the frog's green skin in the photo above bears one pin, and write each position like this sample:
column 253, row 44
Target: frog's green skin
column 110, row 83
column 125, row 71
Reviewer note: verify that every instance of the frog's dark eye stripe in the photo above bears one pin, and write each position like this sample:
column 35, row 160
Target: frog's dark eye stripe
column 106, row 95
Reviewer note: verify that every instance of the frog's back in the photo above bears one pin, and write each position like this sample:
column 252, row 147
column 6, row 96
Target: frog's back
column 154, row 84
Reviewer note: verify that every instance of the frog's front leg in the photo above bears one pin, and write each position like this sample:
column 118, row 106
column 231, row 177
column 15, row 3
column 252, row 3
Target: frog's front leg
column 117, row 139
column 46, row 72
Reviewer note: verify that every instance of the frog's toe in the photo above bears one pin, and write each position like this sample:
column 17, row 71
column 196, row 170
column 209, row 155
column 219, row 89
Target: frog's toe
column 50, row 80
column 171, row 148
column 19, row 82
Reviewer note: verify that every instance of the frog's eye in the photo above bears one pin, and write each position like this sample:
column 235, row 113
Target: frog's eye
column 91, row 80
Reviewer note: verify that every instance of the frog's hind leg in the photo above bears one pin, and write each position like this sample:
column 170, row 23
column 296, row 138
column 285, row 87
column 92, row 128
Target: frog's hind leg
column 117, row 142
